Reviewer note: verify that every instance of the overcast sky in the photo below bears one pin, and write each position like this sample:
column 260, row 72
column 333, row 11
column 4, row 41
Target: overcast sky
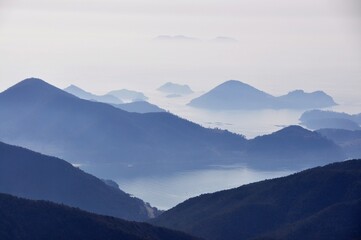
column 101, row 45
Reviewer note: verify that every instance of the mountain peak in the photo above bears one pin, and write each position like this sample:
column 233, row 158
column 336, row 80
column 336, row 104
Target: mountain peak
column 294, row 130
column 31, row 82
column 72, row 86
column 232, row 95
column 235, row 83
column 33, row 89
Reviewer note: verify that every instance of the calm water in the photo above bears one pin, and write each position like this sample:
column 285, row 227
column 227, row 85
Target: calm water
column 167, row 191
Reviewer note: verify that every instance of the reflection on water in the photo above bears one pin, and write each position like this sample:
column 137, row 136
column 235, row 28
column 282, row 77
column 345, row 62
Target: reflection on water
column 166, row 192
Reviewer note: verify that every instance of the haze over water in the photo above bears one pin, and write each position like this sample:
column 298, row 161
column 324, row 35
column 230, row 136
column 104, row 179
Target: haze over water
column 101, row 46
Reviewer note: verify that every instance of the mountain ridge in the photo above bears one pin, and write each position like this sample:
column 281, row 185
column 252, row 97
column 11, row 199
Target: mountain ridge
column 32, row 175
column 237, row 95
column 271, row 207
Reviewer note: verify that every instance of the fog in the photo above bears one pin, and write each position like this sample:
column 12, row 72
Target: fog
column 107, row 45
column 278, row 46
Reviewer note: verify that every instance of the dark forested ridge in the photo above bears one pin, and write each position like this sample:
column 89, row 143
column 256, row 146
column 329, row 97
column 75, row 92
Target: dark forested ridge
column 319, row 203
column 22, row 219
column 35, row 176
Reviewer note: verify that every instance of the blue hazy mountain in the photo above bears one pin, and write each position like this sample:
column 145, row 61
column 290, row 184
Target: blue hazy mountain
column 174, row 88
column 348, row 140
column 80, row 93
column 236, row 95
column 292, row 147
column 318, row 119
column 22, row 219
column 108, row 141
column 319, row 203
column 31, row 175
column 139, row 107
column 128, row 95
column 302, row 100
column 135, row 100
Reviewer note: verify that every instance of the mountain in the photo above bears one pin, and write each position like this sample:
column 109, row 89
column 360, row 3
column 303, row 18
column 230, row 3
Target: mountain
column 106, row 141
column 22, row 219
column 139, row 107
column 233, row 95
column 236, row 95
column 80, row 93
column 292, row 147
column 318, row 119
column 32, row 175
column 319, row 203
column 348, row 140
column 128, row 95
column 302, row 100
column 174, row 88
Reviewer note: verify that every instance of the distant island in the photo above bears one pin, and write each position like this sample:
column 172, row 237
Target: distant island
column 174, row 89
column 318, row 119
column 236, row 95
column 128, row 95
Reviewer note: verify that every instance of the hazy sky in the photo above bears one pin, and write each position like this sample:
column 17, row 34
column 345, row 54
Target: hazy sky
column 102, row 45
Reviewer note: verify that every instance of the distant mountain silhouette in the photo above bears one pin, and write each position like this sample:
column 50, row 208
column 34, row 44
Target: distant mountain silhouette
column 349, row 141
column 318, row 119
column 292, row 147
column 35, row 176
column 173, row 88
column 236, row 95
column 139, row 107
column 302, row 100
column 175, row 38
column 107, row 141
column 128, row 95
column 22, row 219
column 80, row 93
column 319, row 203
